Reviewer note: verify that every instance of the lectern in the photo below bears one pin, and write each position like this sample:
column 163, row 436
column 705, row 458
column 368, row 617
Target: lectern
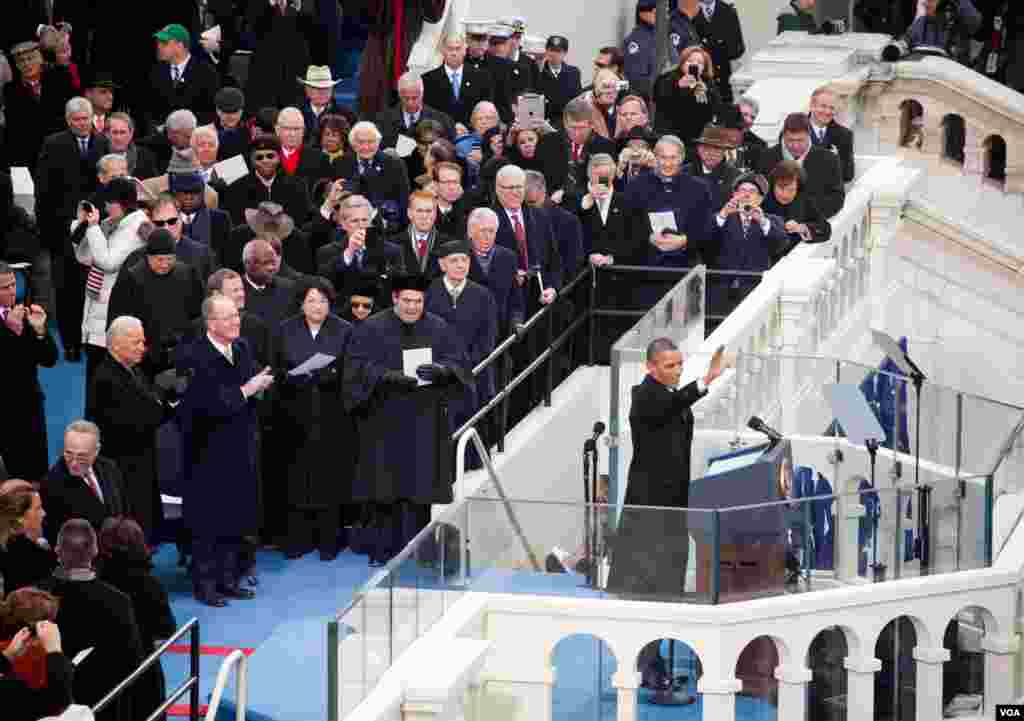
column 751, row 543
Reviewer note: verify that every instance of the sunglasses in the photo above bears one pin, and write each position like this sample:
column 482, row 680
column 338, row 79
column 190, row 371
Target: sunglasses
column 162, row 223
column 362, row 304
column 264, row 156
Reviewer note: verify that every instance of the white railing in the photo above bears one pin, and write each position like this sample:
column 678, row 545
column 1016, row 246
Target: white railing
column 238, row 662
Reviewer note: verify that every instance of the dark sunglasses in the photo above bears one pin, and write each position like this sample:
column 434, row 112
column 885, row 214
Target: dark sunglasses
column 264, row 156
column 162, row 223
column 362, row 304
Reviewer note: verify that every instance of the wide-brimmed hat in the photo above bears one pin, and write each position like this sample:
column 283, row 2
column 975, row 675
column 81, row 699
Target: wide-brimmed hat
column 318, row 76
column 716, row 137
column 269, row 218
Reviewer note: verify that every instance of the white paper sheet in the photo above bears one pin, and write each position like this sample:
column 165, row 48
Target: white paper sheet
column 413, row 359
column 81, row 655
column 24, row 189
column 315, row 363
column 405, row 146
column 231, row 169
column 662, row 221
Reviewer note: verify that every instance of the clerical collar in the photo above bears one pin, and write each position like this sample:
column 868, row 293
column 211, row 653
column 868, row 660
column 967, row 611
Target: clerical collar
column 257, row 287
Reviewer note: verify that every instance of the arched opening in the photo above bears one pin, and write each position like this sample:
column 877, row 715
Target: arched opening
column 911, row 124
column 954, row 138
column 669, row 671
column 896, row 683
column 995, row 158
column 826, row 693
column 963, row 675
column 758, row 699
column 583, row 690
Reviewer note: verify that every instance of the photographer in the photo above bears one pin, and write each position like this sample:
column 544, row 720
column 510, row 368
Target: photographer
column 947, row 24
column 20, row 698
column 685, row 99
column 637, row 155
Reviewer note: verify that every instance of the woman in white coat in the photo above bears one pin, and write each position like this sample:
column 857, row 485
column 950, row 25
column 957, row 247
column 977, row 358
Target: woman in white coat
column 102, row 247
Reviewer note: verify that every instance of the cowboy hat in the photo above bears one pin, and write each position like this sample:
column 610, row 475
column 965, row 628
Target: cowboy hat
column 716, row 137
column 318, row 76
column 269, row 218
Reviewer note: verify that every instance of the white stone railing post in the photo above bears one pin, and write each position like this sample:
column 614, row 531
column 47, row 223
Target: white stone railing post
column 626, row 683
column 793, row 682
column 999, row 657
column 928, row 696
column 719, row 698
column 860, row 688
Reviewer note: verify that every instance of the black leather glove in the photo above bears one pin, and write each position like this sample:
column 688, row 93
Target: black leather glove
column 520, row 330
column 399, row 380
column 435, row 373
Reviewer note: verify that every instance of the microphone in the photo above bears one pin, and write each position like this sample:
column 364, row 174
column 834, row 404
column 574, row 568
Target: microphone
column 598, row 430
column 760, row 426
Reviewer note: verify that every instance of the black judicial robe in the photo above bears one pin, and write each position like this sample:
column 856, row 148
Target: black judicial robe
column 405, row 450
column 317, row 437
column 649, row 556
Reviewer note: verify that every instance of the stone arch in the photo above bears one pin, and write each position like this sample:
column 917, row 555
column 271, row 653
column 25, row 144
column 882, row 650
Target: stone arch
column 826, row 656
column 911, row 124
column 994, row 167
column 584, row 665
column 668, row 666
column 896, row 683
column 954, row 138
column 963, row 675
column 924, row 634
column 755, row 669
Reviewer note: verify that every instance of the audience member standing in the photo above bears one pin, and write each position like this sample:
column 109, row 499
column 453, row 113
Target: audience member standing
column 828, row 134
column 822, row 169
column 687, row 98
column 25, row 702
column 558, row 81
column 638, row 50
column 267, row 182
column 221, row 453
column 316, row 434
column 25, row 345
column 95, row 615
column 129, row 412
column 496, row 268
column 82, row 483
column 401, row 119
column 456, row 87
column 718, row 28
column 33, row 103
column 180, row 79
column 280, row 57
column 24, row 559
column 379, row 176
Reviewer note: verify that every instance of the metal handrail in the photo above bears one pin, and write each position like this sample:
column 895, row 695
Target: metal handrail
column 191, row 684
column 239, row 659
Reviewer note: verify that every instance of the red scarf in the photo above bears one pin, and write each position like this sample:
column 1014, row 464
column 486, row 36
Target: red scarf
column 291, row 164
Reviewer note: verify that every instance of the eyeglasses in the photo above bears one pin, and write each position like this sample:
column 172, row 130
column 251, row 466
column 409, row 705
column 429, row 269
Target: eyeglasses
column 263, row 156
column 292, row 128
column 362, row 304
column 230, row 316
column 512, row 187
column 162, row 223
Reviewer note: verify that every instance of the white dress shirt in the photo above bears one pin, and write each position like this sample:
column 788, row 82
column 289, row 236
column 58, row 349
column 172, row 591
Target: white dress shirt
column 225, row 350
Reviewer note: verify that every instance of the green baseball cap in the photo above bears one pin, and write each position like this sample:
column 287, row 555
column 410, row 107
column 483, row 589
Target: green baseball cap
column 174, row 32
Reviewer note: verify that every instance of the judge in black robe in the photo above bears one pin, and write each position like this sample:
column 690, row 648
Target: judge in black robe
column 315, row 432
column 652, row 547
column 392, row 412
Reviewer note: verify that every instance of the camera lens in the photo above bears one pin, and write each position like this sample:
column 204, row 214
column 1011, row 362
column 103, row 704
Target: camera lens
column 747, row 207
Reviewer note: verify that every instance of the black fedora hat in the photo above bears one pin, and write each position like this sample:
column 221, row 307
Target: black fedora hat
column 101, row 79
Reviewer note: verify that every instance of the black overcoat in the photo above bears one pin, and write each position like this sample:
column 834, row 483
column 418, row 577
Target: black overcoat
column 23, row 426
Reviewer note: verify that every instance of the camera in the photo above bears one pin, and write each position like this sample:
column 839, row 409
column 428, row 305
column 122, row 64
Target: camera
column 87, row 206
column 622, row 85
column 747, row 208
column 694, row 71
column 833, row 27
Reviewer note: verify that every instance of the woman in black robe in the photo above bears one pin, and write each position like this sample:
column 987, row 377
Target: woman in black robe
column 316, row 432
column 125, row 564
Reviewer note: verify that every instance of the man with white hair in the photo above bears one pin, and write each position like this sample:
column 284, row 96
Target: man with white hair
column 66, row 175
column 455, row 88
column 401, row 119
column 128, row 412
column 304, row 162
column 33, row 101
column 380, row 177
column 175, row 135
column 82, row 483
column 495, row 268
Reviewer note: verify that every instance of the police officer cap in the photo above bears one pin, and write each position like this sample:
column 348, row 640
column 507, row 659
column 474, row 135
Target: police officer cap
column 500, row 33
column 646, row 4
column 409, row 281
column 558, row 42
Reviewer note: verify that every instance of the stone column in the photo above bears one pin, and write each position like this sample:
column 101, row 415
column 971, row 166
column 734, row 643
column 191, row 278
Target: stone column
column 626, row 683
column 974, row 152
column 928, row 703
column 999, row 656
column 793, row 682
column 719, row 698
column 860, row 688
column 849, row 513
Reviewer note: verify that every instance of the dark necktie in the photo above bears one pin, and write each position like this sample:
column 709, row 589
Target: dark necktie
column 421, row 247
column 520, row 231
column 83, row 147
column 364, row 167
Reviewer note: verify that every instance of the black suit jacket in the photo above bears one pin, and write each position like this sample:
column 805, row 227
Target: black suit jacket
column 558, row 90
column 218, row 235
column 540, row 240
column 66, row 496
column 410, row 262
column 385, row 185
column 500, row 279
column 63, row 178
column 719, row 180
column 823, row 179
column 723, row 37
column 839, row 140
column 554, row 153
column 476, row 85
column 29, row 120
column 391, row 123
column 145, row 163
column 195, row 91
column 248, row 192
column 623, row 235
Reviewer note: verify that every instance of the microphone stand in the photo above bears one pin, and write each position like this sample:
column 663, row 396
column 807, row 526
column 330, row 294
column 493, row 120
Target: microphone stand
column 589, row 453
column 877, row 568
